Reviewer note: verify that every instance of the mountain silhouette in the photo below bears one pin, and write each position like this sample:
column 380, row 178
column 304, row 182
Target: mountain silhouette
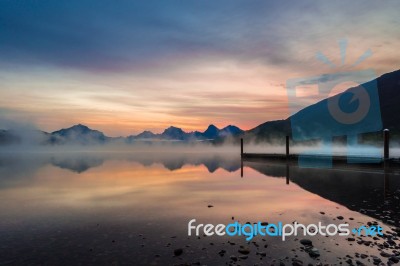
column 174, row 133
column 388, row 86
column 389, row 96
column 211, row 132
column 78, row 134
column 146, row 135
column 230, row 131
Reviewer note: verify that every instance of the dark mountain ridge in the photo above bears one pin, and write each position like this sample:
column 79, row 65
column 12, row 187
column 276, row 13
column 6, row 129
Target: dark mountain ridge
column 78, row 134
column 388, row 86
column 83, row 135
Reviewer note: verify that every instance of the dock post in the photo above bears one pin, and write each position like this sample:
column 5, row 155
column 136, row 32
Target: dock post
column 241, row 167
column 287, row 147
column 241, row 147
column 386, row 185
column 386, row 144
column 287, row 174
column 386, row 140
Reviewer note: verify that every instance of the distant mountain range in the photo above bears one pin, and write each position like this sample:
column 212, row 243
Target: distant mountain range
column 389, row 98
column 83, row 135
column 175, row 133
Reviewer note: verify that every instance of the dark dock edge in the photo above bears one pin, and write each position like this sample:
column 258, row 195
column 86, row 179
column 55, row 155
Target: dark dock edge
column 353, row 161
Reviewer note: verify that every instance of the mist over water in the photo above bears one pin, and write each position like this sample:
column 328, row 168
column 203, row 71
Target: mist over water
column 32, row 140
column 361, row 150
column 173, row 148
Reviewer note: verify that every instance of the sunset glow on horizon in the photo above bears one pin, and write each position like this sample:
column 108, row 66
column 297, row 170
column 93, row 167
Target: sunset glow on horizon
column 126, row 67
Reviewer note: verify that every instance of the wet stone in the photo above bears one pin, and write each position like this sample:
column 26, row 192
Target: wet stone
column 367, row 243
column 178, row 252
column 306, row 242
column 244, row 251
column 376, row 260
column 314, row 253
column 349, row 261
column 297, row 262
column 394, row 259
column 222, row 253
column 385, row 254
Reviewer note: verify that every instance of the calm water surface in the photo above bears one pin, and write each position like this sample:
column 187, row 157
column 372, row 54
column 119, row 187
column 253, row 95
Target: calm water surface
column 130, row 209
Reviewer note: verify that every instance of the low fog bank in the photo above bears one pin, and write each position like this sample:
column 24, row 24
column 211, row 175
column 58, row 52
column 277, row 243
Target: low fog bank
column 318, row 149
column 25, row 138
column 172, row 147
column 120, row 146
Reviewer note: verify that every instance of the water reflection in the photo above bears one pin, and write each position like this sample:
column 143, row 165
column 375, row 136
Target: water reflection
column 83, row 161
column 124, row 208
column 370, row 191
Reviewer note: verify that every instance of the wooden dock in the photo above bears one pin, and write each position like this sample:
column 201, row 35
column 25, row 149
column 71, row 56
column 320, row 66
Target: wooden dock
column 335, row 160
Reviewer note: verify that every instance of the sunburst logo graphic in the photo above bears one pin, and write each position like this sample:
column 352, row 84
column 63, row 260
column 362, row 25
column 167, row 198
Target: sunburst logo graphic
column 349, row 113
column 360, row 96
column 343, row 52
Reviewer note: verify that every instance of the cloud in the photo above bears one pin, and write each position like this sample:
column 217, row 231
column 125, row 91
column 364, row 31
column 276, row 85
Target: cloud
column 127, row 66
column 115, row 36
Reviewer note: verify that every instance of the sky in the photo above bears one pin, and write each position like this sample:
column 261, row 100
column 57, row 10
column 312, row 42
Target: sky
column 127, row 66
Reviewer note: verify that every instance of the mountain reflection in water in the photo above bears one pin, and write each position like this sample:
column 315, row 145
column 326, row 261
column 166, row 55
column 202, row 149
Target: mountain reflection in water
column 124, row 208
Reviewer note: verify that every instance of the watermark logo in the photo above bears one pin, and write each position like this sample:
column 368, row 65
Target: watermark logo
column 349, row 113
column 249, row 231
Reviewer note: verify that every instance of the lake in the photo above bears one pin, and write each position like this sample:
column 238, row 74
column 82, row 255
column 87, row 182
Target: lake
column 122, row 208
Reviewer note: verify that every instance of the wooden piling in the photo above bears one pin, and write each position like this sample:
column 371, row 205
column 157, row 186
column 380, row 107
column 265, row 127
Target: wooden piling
column 241, row 168
column 287, row 173
column 386, row 139
column 287, row 147
column 241, row 147
column 386, row 187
